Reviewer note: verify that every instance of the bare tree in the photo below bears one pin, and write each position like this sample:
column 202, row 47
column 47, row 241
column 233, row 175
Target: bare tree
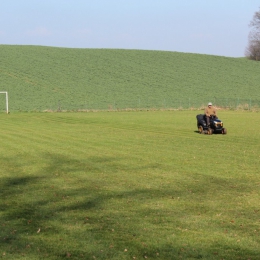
column 253, row 49
column 256, row 20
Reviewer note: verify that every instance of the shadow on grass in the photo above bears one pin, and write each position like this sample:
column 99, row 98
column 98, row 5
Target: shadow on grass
column 59, row 212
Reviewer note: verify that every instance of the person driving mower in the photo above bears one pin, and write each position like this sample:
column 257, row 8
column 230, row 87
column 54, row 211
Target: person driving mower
column 210, row 111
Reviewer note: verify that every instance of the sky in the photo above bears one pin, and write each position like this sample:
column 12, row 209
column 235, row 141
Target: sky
column 215, row 27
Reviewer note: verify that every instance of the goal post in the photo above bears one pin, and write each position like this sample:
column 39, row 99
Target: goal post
column 6, row 99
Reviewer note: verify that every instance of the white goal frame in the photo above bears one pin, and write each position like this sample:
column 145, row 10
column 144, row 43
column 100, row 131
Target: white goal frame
column 6, row 99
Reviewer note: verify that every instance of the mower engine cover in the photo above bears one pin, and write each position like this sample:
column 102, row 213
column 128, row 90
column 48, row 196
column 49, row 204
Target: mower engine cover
column 217, row 123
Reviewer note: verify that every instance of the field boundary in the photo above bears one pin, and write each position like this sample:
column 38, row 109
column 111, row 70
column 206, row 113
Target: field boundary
column 253, row 109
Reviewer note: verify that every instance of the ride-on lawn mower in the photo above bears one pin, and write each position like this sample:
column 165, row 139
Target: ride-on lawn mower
column 216, row 125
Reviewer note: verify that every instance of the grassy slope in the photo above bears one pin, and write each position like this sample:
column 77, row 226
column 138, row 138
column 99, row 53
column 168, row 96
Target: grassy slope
column 39, row 78
column 128, row 186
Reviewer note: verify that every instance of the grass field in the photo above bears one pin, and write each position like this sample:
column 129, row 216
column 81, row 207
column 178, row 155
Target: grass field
column 41, row 78
column 128, row 185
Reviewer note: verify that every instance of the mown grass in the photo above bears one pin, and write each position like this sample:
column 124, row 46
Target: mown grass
column 46, row 78
column 128, row 185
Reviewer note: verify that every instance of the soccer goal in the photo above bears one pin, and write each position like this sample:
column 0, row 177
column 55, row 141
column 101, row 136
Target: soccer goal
column 6, row 99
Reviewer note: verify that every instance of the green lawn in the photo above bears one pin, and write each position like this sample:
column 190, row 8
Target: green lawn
column 129, row 185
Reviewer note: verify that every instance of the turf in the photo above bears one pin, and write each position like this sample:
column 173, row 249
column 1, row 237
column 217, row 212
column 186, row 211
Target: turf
column 41, row 78
column 128, row 185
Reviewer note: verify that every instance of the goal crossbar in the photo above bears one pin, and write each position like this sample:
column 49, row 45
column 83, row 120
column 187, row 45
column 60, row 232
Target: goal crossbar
column 6, row 99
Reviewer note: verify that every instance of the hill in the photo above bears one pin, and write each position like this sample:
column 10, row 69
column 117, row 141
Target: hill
column 41, row 78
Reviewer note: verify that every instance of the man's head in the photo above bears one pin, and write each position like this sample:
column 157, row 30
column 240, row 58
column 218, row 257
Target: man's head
column 209, row 104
